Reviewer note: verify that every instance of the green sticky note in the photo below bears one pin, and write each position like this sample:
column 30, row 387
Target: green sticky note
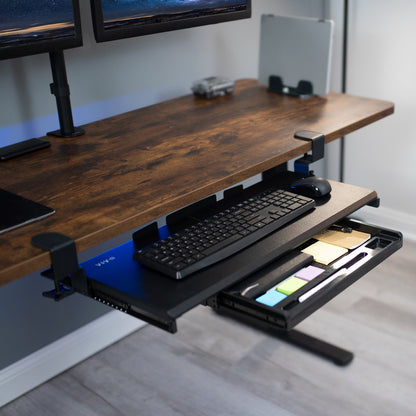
column 291, row 285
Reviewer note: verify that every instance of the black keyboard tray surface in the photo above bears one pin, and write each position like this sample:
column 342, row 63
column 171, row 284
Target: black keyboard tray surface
column 117, row 280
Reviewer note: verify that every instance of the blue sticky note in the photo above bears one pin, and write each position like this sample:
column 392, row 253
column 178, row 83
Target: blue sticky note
column 271, row 298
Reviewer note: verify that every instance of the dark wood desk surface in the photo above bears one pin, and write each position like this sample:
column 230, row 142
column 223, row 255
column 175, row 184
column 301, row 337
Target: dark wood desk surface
column 130, row 169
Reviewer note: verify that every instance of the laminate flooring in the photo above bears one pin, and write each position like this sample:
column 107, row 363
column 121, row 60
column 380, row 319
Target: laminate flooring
column 215, row 366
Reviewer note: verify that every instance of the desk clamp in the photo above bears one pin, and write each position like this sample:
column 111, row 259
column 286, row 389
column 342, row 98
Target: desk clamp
column 318, row 150
column 65, row 266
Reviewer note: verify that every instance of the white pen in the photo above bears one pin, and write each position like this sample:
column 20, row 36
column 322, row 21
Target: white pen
column 330, row 279
column 247, row 289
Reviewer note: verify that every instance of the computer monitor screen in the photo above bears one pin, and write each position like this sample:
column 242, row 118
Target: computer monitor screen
column 29, row 27
column 117, row 19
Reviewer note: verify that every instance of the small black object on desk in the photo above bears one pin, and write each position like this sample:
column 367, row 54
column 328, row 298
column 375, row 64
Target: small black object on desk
column 22, row 148
column 304, row 88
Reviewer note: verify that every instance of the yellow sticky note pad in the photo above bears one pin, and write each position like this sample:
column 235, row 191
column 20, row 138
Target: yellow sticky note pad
column 324, row 253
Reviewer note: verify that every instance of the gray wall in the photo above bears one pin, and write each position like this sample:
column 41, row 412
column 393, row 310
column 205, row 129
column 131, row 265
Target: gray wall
column 381, row 65
column 108, row 79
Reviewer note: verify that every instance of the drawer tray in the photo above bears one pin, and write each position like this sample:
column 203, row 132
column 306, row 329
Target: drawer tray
column 263, row 296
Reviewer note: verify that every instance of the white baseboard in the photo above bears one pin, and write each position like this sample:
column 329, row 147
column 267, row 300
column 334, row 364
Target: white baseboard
column 390, row 218
column 64, row 353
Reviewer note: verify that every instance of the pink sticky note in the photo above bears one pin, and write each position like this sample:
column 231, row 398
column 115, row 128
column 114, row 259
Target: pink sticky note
column 309, row 273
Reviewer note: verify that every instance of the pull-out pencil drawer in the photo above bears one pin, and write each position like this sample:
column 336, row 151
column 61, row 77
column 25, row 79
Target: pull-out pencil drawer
column 288, row 290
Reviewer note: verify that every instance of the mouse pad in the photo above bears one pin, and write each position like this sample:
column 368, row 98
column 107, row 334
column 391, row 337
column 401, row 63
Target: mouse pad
column 16, row 211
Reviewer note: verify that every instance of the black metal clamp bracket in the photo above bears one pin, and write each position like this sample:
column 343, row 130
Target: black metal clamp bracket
column 64, row 261
column 318, row 150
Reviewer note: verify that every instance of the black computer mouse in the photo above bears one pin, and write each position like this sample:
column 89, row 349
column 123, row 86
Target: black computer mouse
column 311, row 186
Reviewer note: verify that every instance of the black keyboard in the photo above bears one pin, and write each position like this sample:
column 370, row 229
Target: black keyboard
column 224, row 233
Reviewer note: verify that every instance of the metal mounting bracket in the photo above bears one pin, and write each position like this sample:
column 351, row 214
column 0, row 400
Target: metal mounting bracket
column 64, row 262
column 318, row 150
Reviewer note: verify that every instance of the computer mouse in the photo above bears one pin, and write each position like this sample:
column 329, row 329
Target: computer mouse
column 311, row 186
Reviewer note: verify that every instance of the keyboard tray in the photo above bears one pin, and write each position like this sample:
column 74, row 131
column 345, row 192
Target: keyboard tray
column 121, row 282
column 334, row 278
column 117, row 280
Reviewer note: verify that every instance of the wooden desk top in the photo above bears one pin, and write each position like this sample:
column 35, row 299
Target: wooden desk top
column 133, row 168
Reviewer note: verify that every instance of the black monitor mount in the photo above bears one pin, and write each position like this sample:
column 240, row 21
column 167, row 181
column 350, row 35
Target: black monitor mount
column 60, row 89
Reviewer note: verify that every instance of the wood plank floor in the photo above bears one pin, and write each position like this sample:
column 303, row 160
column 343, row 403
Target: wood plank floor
column 214, row 366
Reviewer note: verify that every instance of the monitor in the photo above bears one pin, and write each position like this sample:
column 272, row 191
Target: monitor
column 29, row 27
column 117, row 19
